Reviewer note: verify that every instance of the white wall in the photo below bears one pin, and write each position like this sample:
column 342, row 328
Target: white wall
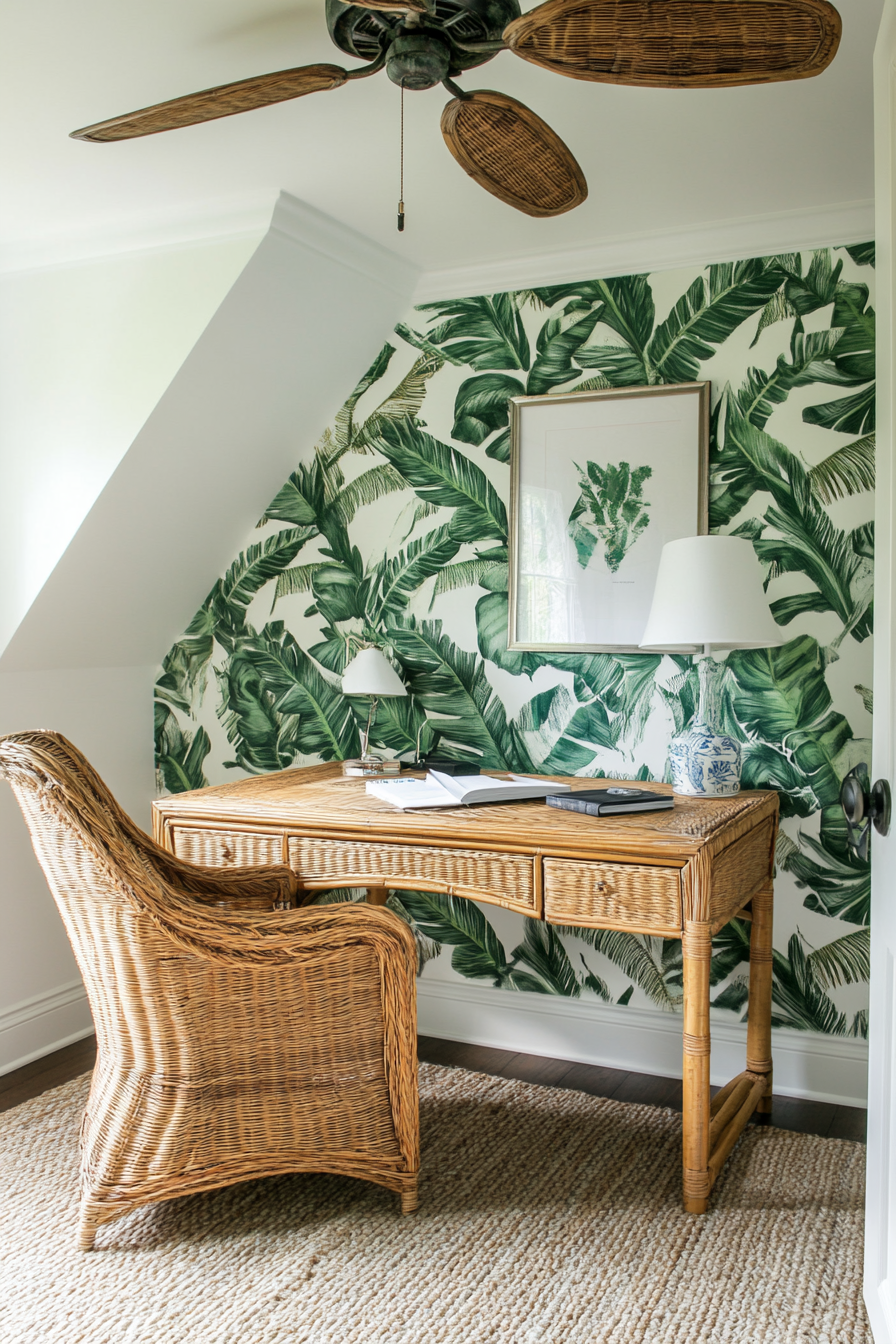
column 86, row 351
column 236, row 418
column 178, row 459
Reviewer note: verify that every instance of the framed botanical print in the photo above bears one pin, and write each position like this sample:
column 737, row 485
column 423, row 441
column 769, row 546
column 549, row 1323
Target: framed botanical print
column 600, row 481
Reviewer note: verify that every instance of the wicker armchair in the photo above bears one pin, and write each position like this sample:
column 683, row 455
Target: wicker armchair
column 235, row 1042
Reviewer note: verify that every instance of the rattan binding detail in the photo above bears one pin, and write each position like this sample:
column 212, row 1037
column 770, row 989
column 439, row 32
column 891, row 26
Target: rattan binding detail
column 230, row 1043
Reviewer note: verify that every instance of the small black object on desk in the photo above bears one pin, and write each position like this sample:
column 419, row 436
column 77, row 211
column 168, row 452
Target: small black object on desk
column 611, row 802
column 445, row 767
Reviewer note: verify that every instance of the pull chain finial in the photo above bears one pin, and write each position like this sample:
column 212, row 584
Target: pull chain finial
column 401, row 170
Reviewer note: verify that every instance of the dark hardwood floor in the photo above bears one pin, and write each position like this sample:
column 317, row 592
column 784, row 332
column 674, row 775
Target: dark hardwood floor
column 806, row 1117
column 49, row 1071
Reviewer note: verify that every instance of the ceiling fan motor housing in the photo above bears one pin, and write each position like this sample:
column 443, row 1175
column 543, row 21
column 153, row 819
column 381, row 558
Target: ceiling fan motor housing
column 416, row 61
column 414, row 43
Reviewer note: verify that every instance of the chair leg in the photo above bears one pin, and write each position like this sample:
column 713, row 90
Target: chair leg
column 409, row 1198
column 88, row 1226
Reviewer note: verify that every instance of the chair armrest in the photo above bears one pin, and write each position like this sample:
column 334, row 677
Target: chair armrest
column 274, row 937
column 267, row 887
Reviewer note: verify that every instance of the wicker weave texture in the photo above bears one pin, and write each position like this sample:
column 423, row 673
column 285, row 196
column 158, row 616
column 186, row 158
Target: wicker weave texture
column 225, row 849
column 512, row 153
column 739, row 870
column 223, row 101
column 679, row 43
column 651, row 873
column 318, row 799
column 506, row 879
column 231, row 1043
column 613, row 896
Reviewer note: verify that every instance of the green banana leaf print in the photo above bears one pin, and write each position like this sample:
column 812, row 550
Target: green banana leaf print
column 394, row 528
column 179, row 754
column 612, row 495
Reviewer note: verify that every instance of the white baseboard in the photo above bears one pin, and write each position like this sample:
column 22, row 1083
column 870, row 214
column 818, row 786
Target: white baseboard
column 46, row 1022
column 819, row 1068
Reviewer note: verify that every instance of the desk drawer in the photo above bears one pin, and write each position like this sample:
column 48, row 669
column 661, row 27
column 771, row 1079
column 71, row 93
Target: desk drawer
column 500, row 879
column 225, row 849
column 613, row 896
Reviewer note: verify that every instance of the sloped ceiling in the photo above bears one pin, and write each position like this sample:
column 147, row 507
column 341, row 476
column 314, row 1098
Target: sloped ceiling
column 653, row 158
column 251, row 397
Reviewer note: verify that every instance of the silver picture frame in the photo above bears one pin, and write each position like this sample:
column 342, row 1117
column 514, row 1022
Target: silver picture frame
column 565, row 563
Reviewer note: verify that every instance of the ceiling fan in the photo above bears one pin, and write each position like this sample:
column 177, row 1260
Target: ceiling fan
column 501, row 143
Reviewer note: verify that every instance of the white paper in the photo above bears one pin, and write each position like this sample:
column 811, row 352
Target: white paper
column 439, row 790
column 405, row 793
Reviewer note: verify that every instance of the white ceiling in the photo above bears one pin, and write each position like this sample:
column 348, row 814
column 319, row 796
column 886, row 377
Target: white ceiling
column 654, row 159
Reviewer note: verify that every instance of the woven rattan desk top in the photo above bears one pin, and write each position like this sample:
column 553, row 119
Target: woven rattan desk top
column 318, row 800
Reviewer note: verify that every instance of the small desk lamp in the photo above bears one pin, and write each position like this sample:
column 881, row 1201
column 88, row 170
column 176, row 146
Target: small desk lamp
column 708, row 593
column 371, row 673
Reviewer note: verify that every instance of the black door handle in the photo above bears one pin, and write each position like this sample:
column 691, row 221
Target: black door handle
column 864, row 808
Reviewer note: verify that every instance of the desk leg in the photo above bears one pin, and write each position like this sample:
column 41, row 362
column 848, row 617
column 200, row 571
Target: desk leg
column 696, row 953
column 759, row 1009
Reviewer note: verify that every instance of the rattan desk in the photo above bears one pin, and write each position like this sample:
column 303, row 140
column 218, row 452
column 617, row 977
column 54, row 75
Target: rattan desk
column 679, row 874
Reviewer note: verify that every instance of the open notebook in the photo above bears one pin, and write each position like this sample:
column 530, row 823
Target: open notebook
column 438, row 790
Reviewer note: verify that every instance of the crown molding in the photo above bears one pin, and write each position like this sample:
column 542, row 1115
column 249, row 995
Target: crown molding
column 165, row 231
column 661, row 249
column 722, row 240
column 320, row 233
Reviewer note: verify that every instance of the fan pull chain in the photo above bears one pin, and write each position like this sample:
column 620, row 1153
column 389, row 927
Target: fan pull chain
column 401, row 173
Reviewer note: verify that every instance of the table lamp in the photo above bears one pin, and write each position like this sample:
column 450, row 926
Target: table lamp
column 709, row 593
column 371, row 673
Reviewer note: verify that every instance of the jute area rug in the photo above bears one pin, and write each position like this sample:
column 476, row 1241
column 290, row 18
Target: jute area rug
column 546, row 1216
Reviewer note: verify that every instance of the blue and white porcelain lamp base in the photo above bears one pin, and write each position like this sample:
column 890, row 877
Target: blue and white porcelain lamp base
column 710, row 593
column 704, row 762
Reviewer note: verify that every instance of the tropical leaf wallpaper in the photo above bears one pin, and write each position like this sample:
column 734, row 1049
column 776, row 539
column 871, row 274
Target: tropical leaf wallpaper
column 395, row 528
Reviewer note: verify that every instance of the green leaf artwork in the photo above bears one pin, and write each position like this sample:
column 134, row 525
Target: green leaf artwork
column 395, row 530
column 612, row 496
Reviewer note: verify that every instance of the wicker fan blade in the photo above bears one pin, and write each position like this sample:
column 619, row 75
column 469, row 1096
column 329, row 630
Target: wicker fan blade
column 224, row 101
column 679, row 44
column 511, row 152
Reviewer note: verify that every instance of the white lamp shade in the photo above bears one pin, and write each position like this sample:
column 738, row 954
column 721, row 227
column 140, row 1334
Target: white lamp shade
column 709, row 591
column 371, row 673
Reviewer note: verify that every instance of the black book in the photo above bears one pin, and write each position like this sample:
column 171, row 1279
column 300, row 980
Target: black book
column 606, row 802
